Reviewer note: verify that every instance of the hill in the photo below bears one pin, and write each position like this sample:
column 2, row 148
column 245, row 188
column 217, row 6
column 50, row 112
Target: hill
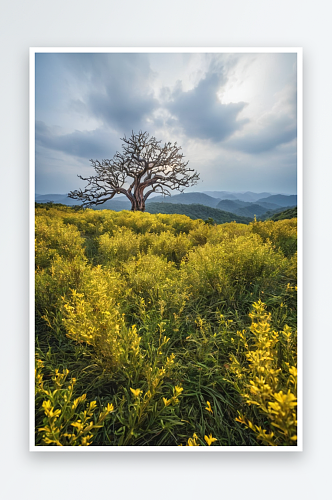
column 231, row 205
column 276, row 212
column 248, row 196
column 251, row 210
column 117, row 205
column 55, row 198
column 196, row 211
column 193, row 211
column 286, row 214
column 238, row 206
column 187, row 199
column 281, row 199
column 247, row 209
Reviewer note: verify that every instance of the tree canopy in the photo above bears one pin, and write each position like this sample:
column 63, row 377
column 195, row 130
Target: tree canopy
column 143, row 167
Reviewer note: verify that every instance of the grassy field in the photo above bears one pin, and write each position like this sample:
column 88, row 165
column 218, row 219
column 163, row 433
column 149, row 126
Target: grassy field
column 160, row 330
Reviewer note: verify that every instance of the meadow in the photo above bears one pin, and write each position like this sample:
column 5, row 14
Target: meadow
column 160, row 330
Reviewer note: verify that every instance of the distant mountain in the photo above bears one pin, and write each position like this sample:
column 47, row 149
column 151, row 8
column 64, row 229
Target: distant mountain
column 116, row 204
column 233, row 205
column 55, row 198
column 248, row 196
column 196, row 211
column 246, row 209
column 281, row 200
column 187, row 199
column 221, row 195
column 268, row 206
column 251, row 210
column 119, row 203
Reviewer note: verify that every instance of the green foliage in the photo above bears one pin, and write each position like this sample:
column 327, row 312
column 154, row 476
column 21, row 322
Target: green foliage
column 265, row 373
column 65, row 422
column 283, row 235
column 150, row 315
column 196, row 211
column 291, row 213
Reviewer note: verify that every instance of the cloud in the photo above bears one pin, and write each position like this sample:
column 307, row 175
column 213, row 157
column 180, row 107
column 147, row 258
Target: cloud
column 201, row 114
column 238, row 171
column 93, row 144
column 117, row 88
column 233, row 114
column 268, row 136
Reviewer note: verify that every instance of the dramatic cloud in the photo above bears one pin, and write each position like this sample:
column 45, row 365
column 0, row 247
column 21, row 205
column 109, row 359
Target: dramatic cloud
column 119, row 93
column 233, row 114
column 271, row 134
column 83, row 144
column 200, row 112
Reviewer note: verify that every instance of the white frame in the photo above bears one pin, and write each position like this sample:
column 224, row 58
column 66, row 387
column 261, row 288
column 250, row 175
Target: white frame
column 181, row 449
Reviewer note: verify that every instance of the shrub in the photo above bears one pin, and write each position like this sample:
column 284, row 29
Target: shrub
column 65, row 420
column 146, row 312
column 282, row 234
column 266, row 376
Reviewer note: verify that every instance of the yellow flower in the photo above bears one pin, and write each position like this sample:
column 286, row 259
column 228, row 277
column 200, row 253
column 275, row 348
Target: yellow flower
column 209, row 439
column 192, row 441
column 240, row 419
column 136, row 392
column 78, row 424
column 109, row 408
column 49, row 410
column 167, row 402
column 208, row 407
column 177, row 390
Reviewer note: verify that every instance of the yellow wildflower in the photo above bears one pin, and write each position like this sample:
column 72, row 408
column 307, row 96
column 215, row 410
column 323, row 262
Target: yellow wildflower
column 209, row 439
column 136, row 392
column 177, row 390
column 109, row 408
column 192, row 441
column 208, row 407
column 240, row 419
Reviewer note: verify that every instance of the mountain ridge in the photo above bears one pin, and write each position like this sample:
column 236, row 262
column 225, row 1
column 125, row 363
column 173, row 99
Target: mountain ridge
column 232, row 205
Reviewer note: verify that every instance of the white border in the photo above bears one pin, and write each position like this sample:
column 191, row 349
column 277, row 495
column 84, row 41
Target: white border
column 183, row 449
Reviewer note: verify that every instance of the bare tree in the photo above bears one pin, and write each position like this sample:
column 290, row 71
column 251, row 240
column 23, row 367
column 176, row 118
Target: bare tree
column 143, row 167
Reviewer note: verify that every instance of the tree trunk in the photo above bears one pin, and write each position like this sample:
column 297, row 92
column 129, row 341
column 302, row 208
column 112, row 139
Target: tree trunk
column 138, row 205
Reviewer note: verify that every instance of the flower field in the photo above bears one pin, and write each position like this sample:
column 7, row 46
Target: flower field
column 160, row 330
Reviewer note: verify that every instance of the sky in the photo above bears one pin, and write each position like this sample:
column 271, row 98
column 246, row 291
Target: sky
column 234, row 115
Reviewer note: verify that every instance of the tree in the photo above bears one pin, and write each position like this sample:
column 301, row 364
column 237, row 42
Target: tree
column 143, row 167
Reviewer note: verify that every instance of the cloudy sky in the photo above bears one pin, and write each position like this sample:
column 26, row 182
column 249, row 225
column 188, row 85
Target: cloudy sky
column 233, row 114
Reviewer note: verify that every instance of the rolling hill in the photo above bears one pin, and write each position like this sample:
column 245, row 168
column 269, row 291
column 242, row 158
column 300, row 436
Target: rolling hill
column 55, row 198
column 281, row 199
column 248, row 196
column 196, row 211
column 286, row 214
column 187, row 199
column 237, row 206
column 238, row 209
